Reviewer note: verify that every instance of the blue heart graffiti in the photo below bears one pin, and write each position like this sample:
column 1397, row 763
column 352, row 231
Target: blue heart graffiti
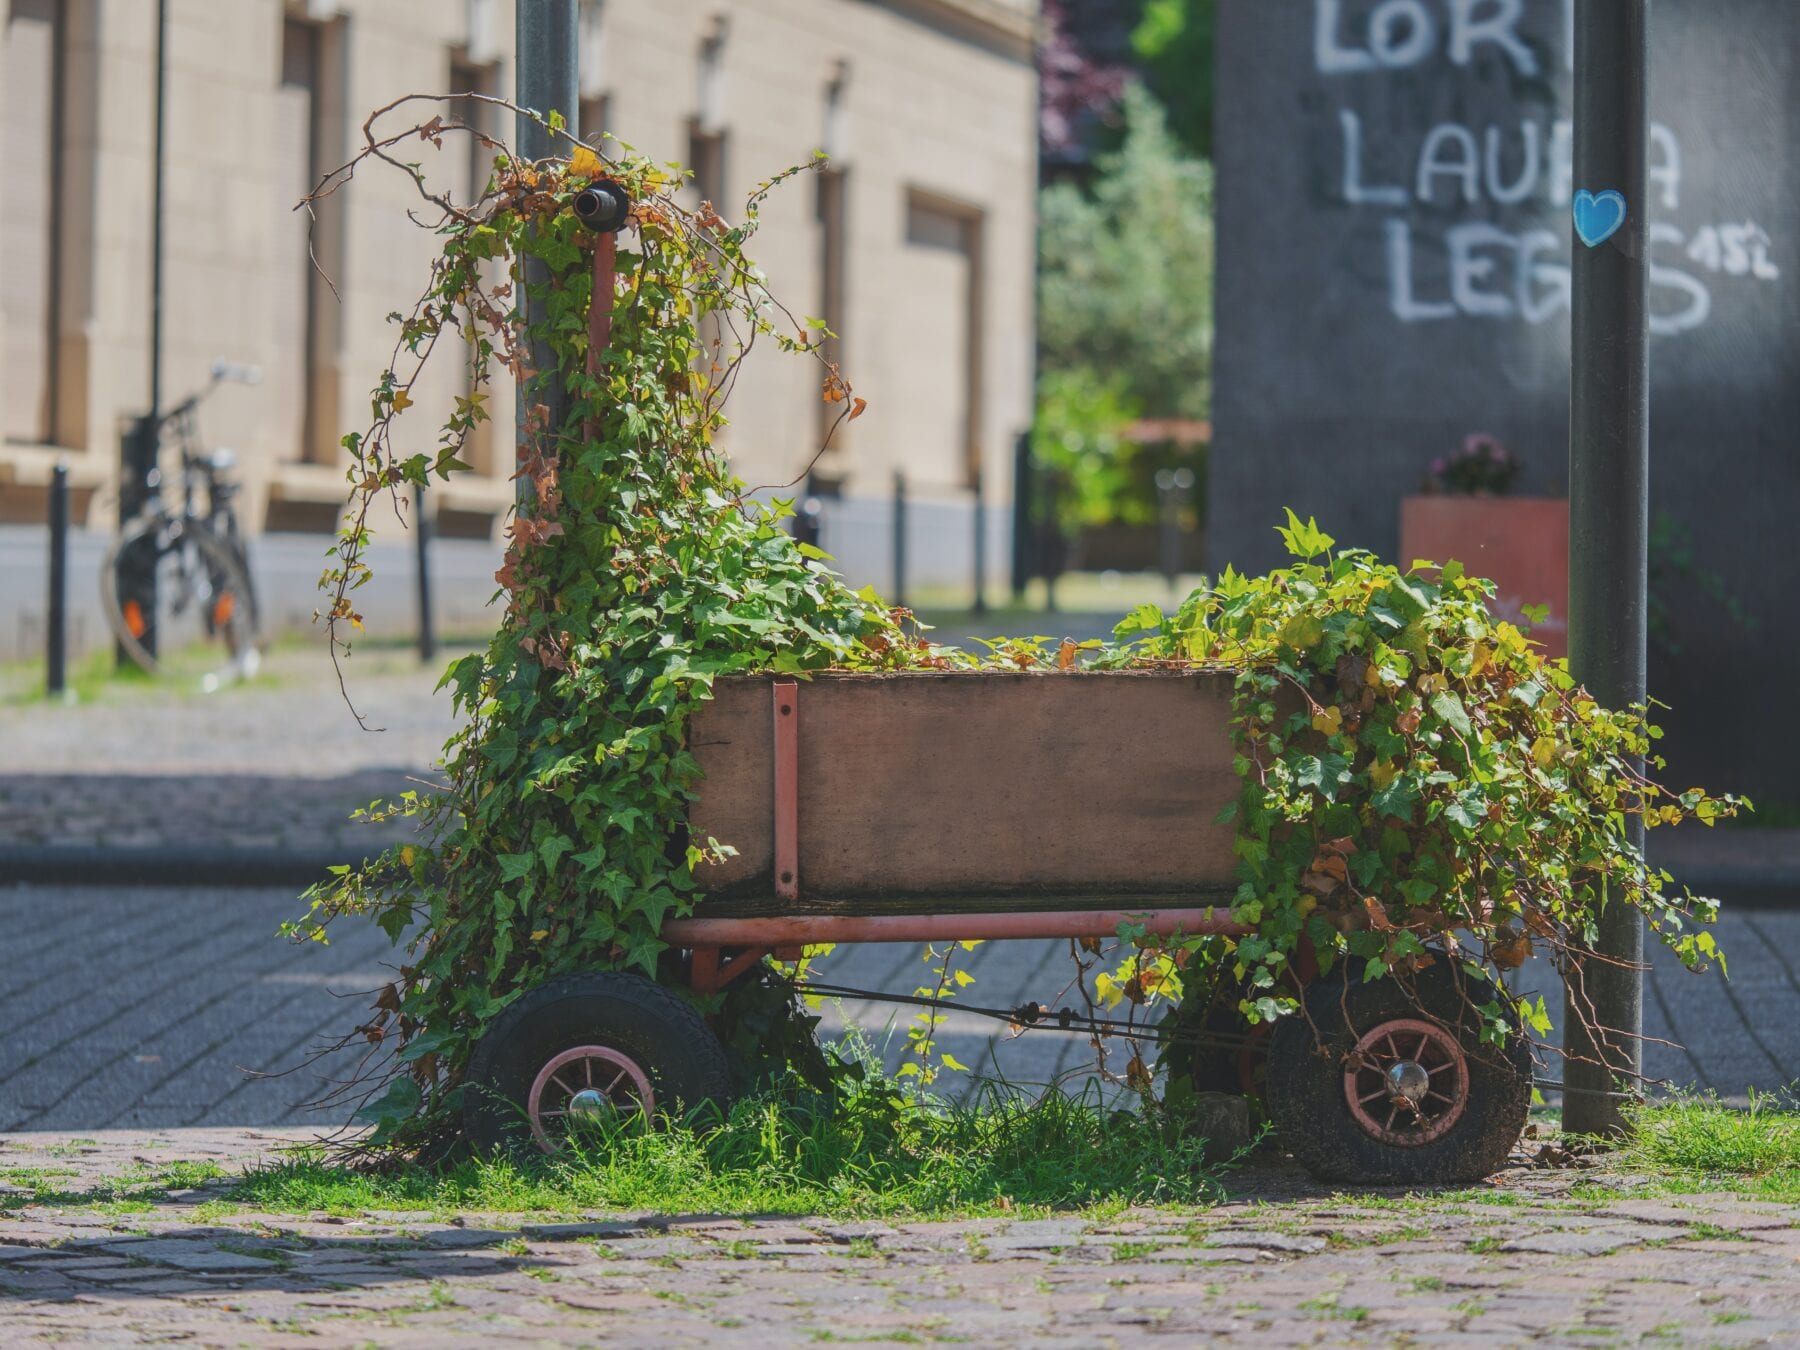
column 1598, row 215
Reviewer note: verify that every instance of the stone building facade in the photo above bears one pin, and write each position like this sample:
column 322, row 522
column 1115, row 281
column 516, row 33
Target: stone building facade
column 916, row 245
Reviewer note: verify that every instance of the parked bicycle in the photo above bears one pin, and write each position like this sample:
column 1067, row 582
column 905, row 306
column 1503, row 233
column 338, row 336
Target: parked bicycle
column 175, row 584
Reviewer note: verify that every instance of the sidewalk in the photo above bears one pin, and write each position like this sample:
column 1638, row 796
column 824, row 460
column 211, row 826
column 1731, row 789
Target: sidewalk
column 252, row 784
column 1557, row 1258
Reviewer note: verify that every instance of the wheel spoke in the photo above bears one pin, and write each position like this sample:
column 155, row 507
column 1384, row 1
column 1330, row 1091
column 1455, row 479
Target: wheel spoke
column 608, row 1089
column 554, row 1078
column 1373, row 1096
column 1446, row 1100
column 1392, row 1112
column 1419, row 1054
column 547, row 1114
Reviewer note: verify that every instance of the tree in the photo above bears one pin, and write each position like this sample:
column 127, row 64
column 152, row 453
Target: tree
column 1125, row 271
column 1084, row 63
column 1174, row 41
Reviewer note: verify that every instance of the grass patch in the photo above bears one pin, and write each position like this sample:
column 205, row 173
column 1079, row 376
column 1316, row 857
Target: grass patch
column 130, row 1192
column 868, row 1152
column 1701, row 1134
column 1699, row 1143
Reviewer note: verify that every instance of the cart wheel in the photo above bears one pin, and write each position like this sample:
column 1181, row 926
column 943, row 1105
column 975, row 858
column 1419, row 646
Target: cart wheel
column 586, row 1046
column 1394, row 1088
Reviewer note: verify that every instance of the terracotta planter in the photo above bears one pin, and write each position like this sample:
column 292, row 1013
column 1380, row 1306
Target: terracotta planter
column 1521, row 544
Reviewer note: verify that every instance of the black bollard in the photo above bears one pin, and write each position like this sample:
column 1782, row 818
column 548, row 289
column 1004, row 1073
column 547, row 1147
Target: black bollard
column 899, row 539
column 979, row 605
column 422, row 547
column 56, row 635
column 1022, row 533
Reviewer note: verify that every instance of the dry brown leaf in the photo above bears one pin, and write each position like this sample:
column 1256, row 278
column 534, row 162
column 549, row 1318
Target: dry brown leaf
column 1378, row 915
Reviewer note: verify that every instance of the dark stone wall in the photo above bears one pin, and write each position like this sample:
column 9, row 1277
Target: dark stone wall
column 1393, row 275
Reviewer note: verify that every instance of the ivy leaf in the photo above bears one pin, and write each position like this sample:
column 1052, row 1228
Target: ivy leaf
column 1398, row 798
column 1450, row 709
column 1326, row 774
column 398, row 1104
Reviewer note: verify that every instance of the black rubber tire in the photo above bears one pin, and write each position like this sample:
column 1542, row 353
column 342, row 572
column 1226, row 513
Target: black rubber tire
column 1305, row 1085
column 225, row 566
column 1227, row 1067
column 634, row 1015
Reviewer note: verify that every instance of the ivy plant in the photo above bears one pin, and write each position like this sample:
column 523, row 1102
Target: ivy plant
column 1418, row 783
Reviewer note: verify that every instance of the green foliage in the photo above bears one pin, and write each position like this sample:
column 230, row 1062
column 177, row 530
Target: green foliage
column 1174, row 39
column 1418, row 783
column 1080, row 437
column 1125, row 271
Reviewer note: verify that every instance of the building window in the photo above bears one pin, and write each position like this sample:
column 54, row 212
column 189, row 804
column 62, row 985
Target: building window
column 593, row 128
column 945, row 284
column 592, row 125
column 310, row 133
column 706, row 150
column 31, row 76
column 477, row 167
column 295, row 300
column 706, row 129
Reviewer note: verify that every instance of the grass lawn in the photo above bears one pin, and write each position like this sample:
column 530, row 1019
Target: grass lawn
column 1002, row 1155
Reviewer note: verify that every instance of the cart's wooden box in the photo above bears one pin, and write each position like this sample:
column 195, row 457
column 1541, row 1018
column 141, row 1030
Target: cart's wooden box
column 972, row 790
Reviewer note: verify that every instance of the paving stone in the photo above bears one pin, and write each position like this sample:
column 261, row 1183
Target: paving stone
column 466, row 1237
column 1264, row 1240
column 1572, row 1242
column 647, row 1249
column 198, row 1256
column 575, row 1232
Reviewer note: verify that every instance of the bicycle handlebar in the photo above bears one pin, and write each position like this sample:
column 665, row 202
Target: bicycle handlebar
column 223, row 372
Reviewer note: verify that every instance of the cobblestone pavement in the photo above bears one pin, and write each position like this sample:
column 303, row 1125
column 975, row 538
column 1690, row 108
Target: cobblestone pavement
column 154, row 1007
column 1533, row 1258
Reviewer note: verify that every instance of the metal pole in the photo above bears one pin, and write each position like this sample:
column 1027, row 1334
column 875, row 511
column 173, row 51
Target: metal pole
column 899, row 539
column 422, row 547
column 156, row 209
column 979, row 604
column 1609, row 469
column 547, row 46
column 138, row 448
column 57, row 620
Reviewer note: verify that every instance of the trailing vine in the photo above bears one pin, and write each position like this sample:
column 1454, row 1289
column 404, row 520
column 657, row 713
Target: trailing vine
column 1417, row 782
column 636, row 573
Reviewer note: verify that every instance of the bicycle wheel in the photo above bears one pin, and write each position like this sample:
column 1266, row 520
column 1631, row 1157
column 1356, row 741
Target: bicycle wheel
column 197, row 619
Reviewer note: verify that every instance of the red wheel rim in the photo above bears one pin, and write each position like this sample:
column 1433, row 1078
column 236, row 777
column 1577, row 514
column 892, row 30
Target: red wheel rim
column 586, row 1069
column 1384, row 1089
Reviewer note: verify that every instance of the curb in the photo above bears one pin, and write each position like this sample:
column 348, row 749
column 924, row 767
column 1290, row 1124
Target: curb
column 200, row 865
